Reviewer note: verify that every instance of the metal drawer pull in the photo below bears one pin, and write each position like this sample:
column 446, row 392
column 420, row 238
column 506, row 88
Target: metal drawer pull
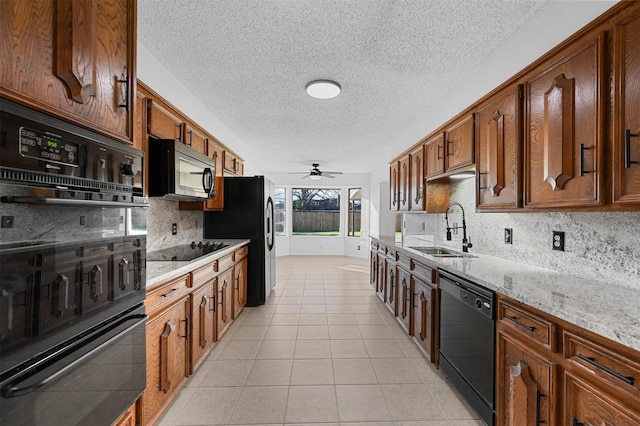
column 627, row 379
column 169, row 292
column 520, row 323
column 538, row 396
column 575, row 422
column 582, row 170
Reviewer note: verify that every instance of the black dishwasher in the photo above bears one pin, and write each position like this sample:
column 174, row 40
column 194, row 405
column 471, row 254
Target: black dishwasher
column 467, row 341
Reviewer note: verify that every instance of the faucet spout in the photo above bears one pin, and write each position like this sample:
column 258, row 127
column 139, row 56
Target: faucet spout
column 466, row 242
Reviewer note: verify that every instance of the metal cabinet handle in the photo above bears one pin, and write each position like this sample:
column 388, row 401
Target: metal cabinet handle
column 124, row 80
column 186, row 328
column 169, row 292
column 449, row 150
column 520, row 323
column 627, row 148
column 538, row 396
column 582, row 150
column 438, row 154
column 575, row 422
column 590, row 360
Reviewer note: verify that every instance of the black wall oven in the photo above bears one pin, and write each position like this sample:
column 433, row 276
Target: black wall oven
column 72, row 272
column 467, row 341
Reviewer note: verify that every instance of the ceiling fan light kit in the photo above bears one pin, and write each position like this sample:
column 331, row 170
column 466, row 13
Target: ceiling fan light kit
column 316, row 174
column 323, row 89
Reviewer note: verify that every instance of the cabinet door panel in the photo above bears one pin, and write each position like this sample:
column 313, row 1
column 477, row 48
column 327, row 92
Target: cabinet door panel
column 424, row 317
column 563, row 131
column 403, row 183
column 72, row 59
column 404, row 300
column 416, row 179
column 167, row 363
column 434, row 153
column 586, row 405
column 162, row 123
column 498, row 151
column 239, row 287
column 202, row 321
column 391, row 287
column 626, row 121
column 196, row 139
column 524, row 388
column 224, row 301
column 459, row 145
column 394, row 188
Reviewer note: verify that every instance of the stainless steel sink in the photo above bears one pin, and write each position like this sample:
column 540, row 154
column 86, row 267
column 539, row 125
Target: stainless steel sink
column 440, row 252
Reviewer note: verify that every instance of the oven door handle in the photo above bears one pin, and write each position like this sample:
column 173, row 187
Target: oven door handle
column 11, row 389
column 68, row 202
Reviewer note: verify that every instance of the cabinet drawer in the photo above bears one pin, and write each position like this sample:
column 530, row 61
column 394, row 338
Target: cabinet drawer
column 424, row 272
column 528, row 324
column 165, row 292
column 226, row 262
column 404, row 261
column 618, row 369
column 204, row 273
column 240, row 253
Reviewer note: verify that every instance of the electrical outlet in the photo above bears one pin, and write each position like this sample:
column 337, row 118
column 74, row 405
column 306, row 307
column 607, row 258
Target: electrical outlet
column 358, row 247
column 7, row 221
column 83, row 220
column 508, row 236
column 558, row 240
column 174, row 229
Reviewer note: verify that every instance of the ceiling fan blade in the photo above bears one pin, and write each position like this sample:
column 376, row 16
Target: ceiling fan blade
column 304, row 177
column 327, row 175
column 333, row 173
column 298, row 173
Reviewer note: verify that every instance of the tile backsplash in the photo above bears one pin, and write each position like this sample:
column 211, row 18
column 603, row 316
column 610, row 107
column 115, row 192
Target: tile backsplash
column 600, row 245
column 162, row 214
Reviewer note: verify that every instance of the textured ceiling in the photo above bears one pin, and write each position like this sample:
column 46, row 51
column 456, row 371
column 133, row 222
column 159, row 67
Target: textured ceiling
column 249, row 61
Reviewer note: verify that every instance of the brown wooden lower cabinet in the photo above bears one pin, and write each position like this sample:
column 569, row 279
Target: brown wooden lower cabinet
column 167, row 347
column 404, row 304
column 203, row 321
column 585, row 405
column 187, row 315
column 239, row 286
column 224, row 309
column 551, row 371
column 424, row 319
column 524, row 384
column 128, row 418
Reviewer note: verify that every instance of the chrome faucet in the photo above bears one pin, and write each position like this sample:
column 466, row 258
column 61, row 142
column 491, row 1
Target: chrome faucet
column 466, row 242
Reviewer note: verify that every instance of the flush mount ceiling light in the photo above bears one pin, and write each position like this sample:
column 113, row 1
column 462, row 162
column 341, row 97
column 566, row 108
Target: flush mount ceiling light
column 323, row 89
column 315, row 177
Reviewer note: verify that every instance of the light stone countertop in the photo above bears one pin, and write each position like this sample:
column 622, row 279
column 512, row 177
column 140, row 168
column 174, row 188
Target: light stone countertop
column 608, row 310
column 163, row 270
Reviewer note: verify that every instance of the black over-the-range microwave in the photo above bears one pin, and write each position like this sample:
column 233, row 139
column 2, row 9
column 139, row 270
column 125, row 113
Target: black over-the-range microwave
column 179, row 172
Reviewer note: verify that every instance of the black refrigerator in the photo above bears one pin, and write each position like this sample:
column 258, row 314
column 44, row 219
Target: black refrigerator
column 249, row 213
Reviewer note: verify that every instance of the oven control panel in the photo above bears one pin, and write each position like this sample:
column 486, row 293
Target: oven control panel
column 48, row 146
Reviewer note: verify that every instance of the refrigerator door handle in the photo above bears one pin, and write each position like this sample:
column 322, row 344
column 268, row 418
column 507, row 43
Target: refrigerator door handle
column 270, row 214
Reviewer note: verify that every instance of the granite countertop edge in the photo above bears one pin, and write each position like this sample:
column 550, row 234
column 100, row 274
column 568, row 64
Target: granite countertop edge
column 163, row 270
column 605, row 309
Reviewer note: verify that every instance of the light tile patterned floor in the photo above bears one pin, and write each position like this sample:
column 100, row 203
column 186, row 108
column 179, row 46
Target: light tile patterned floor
column 323, row 350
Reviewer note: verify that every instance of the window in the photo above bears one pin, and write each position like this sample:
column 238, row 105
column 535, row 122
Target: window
column 316, row 211
column 355, row 207
column 279, row 205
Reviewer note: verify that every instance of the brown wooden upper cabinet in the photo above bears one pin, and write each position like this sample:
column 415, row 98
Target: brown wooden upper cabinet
column 403, row 184
column 416, row 179
column 195, row 139
column 394, row 186
column 459, row 145
column 73, row 59
column 626, row 135
column 163, row 123
column 564, row 126
column 434, row 152
column 498, row 146
column 232, row 164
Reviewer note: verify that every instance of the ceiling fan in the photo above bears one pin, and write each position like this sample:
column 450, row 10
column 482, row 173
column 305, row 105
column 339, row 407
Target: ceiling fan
column 316, row 174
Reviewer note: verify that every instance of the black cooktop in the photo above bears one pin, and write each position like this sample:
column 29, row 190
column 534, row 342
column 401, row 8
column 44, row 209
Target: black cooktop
column 187, row 252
